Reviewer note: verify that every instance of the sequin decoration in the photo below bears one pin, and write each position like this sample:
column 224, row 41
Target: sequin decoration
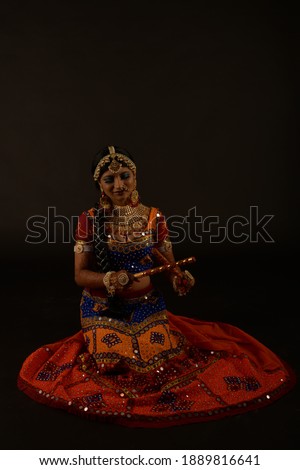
column 130, row 310
column 131, row 343
column 242, row 383
column 51, row 371
column 111, row 339
column 169, row 401
column 93, row 398
column 156, row 337
column 152, row 384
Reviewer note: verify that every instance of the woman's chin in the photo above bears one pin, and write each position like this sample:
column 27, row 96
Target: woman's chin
column 120, row 199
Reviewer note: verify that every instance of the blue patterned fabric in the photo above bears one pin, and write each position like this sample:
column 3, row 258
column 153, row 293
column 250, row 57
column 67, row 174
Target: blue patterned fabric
column 130, row 311
column 133, row 259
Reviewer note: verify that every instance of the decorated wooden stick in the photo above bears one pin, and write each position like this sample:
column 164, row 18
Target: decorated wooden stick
column 164, row 267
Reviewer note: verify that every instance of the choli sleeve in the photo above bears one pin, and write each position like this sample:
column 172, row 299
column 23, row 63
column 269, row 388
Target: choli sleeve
column 159, row 226
column 162, row 232
column 84, row 229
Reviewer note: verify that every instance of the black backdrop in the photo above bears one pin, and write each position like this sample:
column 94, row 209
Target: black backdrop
column 204, row 96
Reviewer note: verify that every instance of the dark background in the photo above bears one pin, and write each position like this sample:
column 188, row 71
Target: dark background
column 204, row 96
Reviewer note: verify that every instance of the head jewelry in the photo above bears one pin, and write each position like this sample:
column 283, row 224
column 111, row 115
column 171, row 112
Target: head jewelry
column 115, row 159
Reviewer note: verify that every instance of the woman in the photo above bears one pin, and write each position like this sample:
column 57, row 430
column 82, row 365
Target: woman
column 134, row 363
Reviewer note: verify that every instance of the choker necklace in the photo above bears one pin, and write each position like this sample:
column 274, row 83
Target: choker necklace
column 128, row 216
column 128, row 211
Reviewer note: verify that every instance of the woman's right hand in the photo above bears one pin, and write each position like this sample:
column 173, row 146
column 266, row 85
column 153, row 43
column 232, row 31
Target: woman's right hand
column 122, row 280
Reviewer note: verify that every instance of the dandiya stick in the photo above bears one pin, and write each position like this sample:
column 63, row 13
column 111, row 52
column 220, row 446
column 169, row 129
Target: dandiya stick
column 164, row 267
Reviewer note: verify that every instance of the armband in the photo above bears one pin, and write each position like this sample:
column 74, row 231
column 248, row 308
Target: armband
column 81, row 246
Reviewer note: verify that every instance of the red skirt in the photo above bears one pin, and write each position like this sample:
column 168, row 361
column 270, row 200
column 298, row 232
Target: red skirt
column 164, row 371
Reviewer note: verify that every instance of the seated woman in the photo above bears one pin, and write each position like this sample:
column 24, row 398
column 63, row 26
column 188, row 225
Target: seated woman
column 133, row 362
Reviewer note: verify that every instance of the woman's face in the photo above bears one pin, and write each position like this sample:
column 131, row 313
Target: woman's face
column 118, row 186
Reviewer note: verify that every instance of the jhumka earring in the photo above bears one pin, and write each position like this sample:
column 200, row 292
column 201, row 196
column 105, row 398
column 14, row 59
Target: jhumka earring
column 104, row 200
column 134, row 198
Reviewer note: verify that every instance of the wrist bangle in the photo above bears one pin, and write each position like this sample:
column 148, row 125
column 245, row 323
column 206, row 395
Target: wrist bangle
column 107, row 283
column 123, row 279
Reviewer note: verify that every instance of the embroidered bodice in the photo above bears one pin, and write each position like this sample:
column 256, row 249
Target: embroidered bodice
column 129, row 240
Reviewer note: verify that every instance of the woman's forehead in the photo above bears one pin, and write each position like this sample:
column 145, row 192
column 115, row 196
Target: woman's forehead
column 121, row 170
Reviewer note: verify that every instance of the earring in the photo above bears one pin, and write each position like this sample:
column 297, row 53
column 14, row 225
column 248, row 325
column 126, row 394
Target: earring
column 134, row 198
column 104, row 200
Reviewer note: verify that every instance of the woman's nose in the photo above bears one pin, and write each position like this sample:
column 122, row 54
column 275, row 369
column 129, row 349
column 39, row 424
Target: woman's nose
column 118, row 182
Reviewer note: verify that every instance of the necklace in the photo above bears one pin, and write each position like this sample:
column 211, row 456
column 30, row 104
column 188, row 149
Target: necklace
column 126, row 217
column 128, row 211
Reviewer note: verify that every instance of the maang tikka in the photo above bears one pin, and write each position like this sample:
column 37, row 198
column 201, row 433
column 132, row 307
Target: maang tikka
column 114, row 164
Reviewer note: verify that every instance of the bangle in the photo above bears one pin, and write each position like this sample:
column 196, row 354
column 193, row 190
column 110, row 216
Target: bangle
column 81, row 246
column 107, row 283
column 190, row 278
column 182, row 283
column 123, row 279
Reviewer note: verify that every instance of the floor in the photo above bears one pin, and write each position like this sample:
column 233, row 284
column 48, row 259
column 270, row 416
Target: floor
column 256, row 293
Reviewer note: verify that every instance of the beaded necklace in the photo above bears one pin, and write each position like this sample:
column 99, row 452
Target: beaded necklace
column 128, row 218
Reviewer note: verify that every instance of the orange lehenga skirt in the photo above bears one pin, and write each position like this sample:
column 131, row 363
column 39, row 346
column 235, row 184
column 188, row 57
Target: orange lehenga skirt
column 162, row 371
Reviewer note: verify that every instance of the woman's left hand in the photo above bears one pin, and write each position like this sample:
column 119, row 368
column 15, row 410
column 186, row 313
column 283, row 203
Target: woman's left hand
column 182, row 282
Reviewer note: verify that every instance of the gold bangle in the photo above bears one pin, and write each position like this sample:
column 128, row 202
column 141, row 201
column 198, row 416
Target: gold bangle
column 107, row 283
column 123, row 279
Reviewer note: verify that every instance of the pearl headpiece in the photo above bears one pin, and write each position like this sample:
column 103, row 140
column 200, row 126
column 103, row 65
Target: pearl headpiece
column 115, row 159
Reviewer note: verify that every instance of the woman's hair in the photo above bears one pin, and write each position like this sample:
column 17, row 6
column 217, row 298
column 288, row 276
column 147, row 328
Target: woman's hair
column 102, row 153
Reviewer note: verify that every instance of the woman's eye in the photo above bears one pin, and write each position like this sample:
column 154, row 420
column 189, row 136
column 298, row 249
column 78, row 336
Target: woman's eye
column 125, row 176
column 108, row 180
